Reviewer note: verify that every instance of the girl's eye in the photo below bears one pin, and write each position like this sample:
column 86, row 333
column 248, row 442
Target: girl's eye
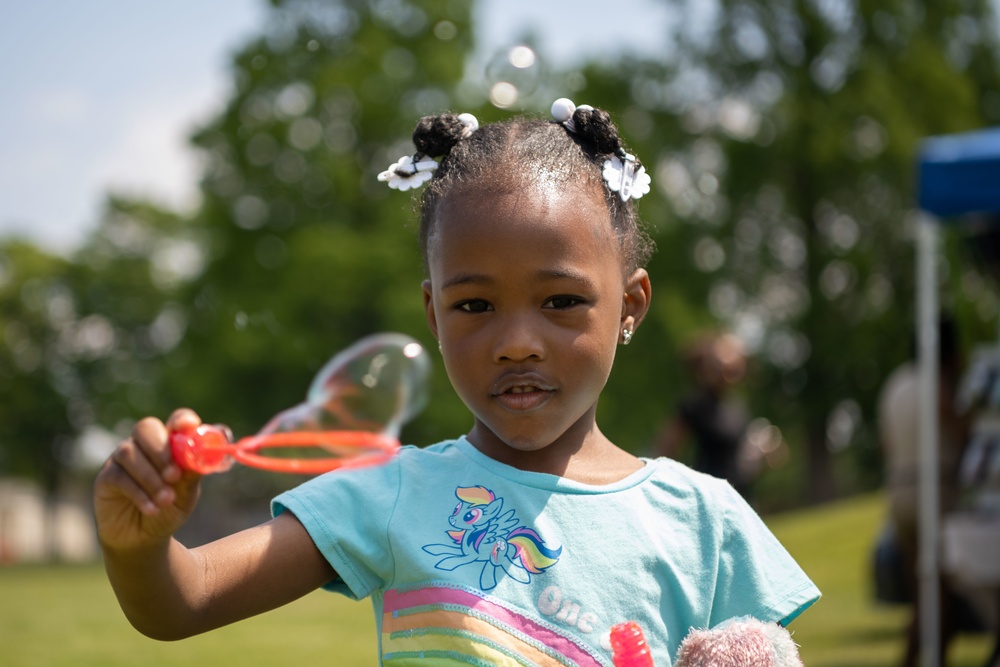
column 475, row 306
column 562, row 302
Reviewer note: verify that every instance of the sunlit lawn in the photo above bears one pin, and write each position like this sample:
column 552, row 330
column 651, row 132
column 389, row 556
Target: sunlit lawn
column 68, row 616
column 845, row 628
column 53, row 616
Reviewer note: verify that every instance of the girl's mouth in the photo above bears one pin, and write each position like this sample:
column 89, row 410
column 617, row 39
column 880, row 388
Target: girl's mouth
column 522, row 392
column 520, row 399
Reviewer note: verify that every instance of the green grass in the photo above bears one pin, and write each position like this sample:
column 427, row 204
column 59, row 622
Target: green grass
column 62, row 616
column 846, row 628
column 55, row 616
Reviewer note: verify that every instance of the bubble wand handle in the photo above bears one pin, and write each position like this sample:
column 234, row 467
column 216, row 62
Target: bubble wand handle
column 629, row 646
column 207, row 449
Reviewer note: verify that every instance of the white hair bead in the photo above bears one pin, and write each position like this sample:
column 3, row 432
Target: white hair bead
column 562, row 109
column 470, row 122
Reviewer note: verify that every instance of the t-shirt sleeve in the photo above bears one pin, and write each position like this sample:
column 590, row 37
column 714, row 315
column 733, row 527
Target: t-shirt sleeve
column 347, row 514
column 757, row 576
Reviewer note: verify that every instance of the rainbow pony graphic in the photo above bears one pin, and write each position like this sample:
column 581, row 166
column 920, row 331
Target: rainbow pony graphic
column 483, row 534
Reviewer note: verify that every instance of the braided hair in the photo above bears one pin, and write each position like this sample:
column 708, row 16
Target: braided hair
column 533, row 150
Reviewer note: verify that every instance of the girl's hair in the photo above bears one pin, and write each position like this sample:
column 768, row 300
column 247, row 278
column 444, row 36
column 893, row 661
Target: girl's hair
column 521, row 152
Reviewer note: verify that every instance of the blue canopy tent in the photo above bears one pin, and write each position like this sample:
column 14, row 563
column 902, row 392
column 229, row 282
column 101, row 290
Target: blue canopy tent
column 958, row 175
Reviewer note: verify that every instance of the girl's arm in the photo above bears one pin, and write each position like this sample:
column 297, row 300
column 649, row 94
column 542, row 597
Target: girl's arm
column 166, row 590
column 169, row 592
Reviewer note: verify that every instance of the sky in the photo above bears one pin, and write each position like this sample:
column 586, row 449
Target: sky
column 101, row 96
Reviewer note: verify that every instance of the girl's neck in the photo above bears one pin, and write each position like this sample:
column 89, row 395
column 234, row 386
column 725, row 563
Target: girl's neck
column 585, row 456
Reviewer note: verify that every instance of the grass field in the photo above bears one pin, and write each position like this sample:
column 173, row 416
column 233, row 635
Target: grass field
column 62, row 616
column 845, row 628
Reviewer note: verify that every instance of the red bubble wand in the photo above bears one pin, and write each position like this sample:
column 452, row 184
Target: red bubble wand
column 353, row 412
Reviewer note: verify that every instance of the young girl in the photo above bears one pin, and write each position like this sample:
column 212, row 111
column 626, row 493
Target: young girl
column 525, row 540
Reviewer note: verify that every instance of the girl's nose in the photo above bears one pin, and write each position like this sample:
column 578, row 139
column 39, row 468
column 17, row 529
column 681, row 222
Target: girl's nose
column 518, row 340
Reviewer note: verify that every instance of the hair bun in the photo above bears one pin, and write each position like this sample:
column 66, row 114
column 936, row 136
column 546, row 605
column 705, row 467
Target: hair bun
column 596, row 127
column 435, row 136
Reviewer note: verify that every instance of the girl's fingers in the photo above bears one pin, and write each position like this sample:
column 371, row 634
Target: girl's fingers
column 114, row 476
column 138, row 478
column 153, row 440
column 142, row 468
column 183, row 419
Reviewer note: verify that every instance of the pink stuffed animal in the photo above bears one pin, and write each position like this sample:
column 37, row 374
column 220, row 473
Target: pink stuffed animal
column 739, row 642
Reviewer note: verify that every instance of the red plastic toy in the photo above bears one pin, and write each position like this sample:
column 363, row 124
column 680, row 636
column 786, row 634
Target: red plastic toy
column 207, row 450
column 629, row 646
column 353, row 411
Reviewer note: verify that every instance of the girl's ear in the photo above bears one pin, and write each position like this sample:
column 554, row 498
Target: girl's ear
column 429, row 307
column 635, row 301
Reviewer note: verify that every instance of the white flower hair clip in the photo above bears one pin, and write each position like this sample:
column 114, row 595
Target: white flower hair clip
column 621, row 175
column 411, row 171
column 622, row 172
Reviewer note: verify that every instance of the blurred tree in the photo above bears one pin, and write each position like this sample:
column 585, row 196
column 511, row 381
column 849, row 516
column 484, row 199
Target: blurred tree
column 305, row 252
column 781, row 137
column 803, row 121
column 84, row 339
column 129, row 280
column 36, row 304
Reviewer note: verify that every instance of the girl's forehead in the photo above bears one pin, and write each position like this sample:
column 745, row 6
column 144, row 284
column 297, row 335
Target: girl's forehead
column 562, row 223
column 544, row 203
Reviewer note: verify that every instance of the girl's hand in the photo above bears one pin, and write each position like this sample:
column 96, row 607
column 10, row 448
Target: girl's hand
column 141, row 497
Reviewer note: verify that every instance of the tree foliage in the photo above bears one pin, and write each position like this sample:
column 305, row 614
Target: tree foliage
column 781, row 137
column 304, row 252
column 804, row 119
column 35, row 381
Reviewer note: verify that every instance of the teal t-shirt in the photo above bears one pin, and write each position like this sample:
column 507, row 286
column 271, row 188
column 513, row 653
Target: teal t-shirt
column 470, row 561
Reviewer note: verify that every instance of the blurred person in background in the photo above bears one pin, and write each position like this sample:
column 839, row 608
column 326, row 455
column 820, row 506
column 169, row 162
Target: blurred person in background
column 898, row 410
column 711, row 416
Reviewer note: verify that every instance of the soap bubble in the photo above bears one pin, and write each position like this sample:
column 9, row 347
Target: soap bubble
column 353, row 412
column 376, row 385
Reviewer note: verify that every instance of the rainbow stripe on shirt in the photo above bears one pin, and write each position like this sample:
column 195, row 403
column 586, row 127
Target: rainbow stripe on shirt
column 454, row 625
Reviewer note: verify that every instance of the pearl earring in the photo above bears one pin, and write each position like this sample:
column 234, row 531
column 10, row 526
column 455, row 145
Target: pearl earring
column 626, row 336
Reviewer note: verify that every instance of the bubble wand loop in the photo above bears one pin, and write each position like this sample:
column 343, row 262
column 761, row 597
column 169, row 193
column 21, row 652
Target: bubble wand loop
column 207, row 449
column 353, row 410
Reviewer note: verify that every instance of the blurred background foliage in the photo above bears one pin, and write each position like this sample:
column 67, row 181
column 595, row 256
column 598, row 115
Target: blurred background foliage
column 781, row 136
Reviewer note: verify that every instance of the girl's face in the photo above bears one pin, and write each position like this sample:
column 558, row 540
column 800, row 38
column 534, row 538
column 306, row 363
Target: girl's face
column 528, row 299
